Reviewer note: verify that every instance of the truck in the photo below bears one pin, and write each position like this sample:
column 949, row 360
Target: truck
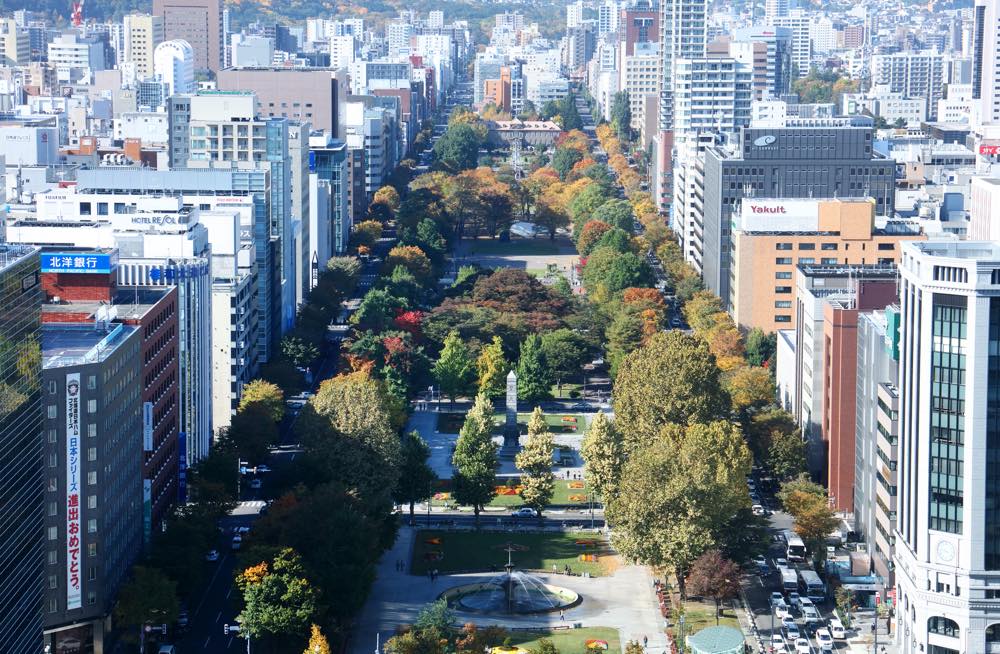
column 789, row 580
column 795, row 549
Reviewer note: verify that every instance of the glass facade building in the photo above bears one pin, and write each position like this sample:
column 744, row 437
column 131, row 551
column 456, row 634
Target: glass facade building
column 22, row 508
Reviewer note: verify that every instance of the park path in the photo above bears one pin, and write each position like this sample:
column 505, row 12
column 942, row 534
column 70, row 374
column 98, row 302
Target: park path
column 625, row 601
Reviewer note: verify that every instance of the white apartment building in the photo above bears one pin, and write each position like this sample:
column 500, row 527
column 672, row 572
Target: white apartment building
column 71, row 52
column 608, row 17
column 914, row 74
column 956, row 106
column 640, row 78
column 800, row 24
column 251, row 51
column 986, row 63
column 173, row 61
column 142, row 33
column 574, row 14
column 343, row 51
column 947, row 537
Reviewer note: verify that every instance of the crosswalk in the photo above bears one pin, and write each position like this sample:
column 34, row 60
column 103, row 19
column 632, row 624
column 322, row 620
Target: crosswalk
column 253, row 504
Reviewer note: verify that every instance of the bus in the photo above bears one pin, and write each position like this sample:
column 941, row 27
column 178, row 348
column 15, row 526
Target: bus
column 796, row 549
column 811, row 586
column 789, row 580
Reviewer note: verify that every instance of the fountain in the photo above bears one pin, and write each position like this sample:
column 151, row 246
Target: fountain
column 512, row 592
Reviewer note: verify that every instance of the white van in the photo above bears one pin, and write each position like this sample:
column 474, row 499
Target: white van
column 837, row 629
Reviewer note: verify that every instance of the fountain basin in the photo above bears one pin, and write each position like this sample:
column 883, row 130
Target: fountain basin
column 513, row 593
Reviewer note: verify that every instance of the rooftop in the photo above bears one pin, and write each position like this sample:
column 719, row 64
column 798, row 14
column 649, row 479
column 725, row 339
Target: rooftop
column 867, row 270
column 128, row 304
column 12, row 253
column 980, row 250
column 75, row 344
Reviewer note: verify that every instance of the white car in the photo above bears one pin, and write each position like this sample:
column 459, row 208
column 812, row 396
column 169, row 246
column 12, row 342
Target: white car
column 810, row 614
column 525, row 512
column 824, row 640
column 802, row 646
column 781, row 610
column 789, row 620
column 837, row 629
column 777, row 642
column 237, row 542
column 795, row 600
column 777, row 598
column 781, row 562
column 758, row 510
column 792, row 630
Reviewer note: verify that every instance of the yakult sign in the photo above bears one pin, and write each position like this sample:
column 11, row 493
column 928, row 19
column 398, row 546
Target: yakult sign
column 779, row 215
column 73, row 585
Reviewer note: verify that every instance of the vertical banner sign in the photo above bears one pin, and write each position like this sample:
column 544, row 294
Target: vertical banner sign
column 147, row 426
column 73, row 584
column 147, row 510
column 182, row 464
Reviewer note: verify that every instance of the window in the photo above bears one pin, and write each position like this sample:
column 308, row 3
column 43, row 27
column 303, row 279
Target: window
column 53, row 436
column 92, row 526
column 92, row 430
column 53, row 582
column 828, row 246
column 91, row 549
column 85, row 209
column 91, row 501
column 52, row 533
column 782, row 246
column 53, row 459
column 782, row 304
column 53, row 484
column 886, row 246
column 52, row 388
column 53, row 508
column 51, row 411
column 783, row 289
column 942, row 626
column 947, row 413
column 993, row 632
column 91, row 573
column 92, row 454
column 91, row 406
column 91, row 597
column 808, row 261
column 102, row 208
column 807, row 246
column 92, row 478
column 53, row 557
column 783, row 261
column 829, row 261
column 53, row 605
column 782, row 275
column 91, row 382
column 782, row 318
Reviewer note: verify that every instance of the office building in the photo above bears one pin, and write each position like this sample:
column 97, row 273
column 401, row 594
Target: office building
column 804, row 159
column 984, row 210
column 22, row 502
column 173, row 62
column 947, row 538
column 775, row 9
column 771, row 237
column 799, row 23
column 639, row 23
column 877, row 433
column 199, row 22
column 94, row 492
column 913, row 74
column 15, row 47
column 142, row 33
column 777, row 74
column 986, row 63
column 75, row 56
column 640, row 79
column 306, row 95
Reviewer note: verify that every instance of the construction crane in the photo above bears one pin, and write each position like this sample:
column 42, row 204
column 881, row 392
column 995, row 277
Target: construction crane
column 77, row 16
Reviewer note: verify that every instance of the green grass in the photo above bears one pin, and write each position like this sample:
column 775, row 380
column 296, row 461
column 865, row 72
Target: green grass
column 451, row 423
column 560, row 498
column 569, row 641
column 496, row 247
column 699, row 615
column 471, row 550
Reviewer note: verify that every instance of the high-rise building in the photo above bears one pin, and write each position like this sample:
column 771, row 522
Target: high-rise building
column 778, row 66
column 173, row 61
column 682, row 36
column 799, row 22
column 608, row 15
column 986, row 62
column 142, row 33
column 574, row 14
column 947, row 538
column 15, row 48
column 639, row 23
column 307, row 95
column 22, row 501
column 774, row 9
column 914, row 74
column 199, row 22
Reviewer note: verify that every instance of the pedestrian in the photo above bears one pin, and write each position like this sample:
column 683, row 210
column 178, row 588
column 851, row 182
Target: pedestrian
column 562, row 615
column 645, row 641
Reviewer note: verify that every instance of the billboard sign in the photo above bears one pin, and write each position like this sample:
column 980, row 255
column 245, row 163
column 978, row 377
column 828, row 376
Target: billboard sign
column 779, row 215
column 78, row 262
column 73, row 508
column 147, row 426
column 989, row 150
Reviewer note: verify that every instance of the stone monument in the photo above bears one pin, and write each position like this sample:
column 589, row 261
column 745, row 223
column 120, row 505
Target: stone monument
column 511, row 435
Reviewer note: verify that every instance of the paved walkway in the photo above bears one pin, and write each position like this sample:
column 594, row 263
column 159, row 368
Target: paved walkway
column 624, row 601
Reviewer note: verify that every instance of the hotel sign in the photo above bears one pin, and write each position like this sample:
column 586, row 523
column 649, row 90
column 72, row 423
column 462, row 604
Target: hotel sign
column 73, row 509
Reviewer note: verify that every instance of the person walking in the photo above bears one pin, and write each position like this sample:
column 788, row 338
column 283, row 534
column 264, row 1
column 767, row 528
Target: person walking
column 645, row 641
column 562, row 615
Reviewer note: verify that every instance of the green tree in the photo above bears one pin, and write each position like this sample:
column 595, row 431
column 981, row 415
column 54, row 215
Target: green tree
column 377, row 309
column 458, row 148
column 765, row 426
column 415, row 475
column 278, row 599
column 787, row 454
column 148, row 596
column 623, row 336
column 570, row 114
column 617, row 213
column 564, row 159
column 417, row 641
column 614, row 271
column 534, row 379
column 603, row 456
column 678, row 493
column 616, row 240
column 585, row 204
column 251, row 431
column 436, row 615
column 266, row 395
column 475, row 458
column 454, row 370
column 535, row 462
column 671, row 379
column 565, row 352
column 621, row 116
column 760, row 347
column 493, row 368
column 298, row 351
column 712, row 575
column 545, row 646
column 317, row 642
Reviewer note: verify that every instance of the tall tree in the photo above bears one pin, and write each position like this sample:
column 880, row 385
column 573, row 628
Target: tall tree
column 493, row 368
column 678, row 493
column 415, row 475
column 565, row 352
column 749, row 388
column 787, row 454
column 475, row 458
column 458, row 148
column 603, row 456
column 148, row 596
column 454, row 369
column 534, row 380
column 535, row 462
column 269, row 397
column 317, row 641
column 671, row 379
column 299, row 351
column 713, row 575
column 760, row 347
column 278, row 599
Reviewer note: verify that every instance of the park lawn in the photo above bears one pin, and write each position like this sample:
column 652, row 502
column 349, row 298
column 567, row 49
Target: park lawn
column 563, row 495
column 451, row 423
column 515, row 246
column 457, row 551
column 699, row 615
column 569, row 641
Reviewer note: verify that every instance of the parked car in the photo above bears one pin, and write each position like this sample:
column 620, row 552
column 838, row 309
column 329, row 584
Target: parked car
column 824, row 640
column 525, row 512
column 213, row 555
column 837, row 629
